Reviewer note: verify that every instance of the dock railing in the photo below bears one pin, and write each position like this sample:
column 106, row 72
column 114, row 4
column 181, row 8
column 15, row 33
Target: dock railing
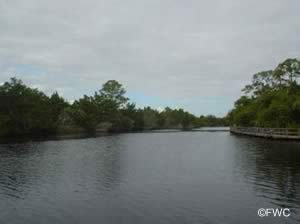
column 289, row 133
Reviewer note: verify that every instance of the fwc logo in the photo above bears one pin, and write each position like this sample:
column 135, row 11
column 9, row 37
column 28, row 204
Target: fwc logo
column 275, row 212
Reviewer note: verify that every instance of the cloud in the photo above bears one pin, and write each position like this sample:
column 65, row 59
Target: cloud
column 197, row 53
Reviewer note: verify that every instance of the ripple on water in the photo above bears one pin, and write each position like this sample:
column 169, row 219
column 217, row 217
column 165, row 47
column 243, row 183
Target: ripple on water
column 190, row 177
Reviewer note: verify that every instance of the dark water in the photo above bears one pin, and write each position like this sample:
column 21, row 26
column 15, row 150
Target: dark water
column 181, row 177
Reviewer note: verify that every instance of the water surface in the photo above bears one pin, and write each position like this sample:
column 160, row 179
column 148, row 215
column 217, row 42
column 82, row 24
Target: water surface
column 180, row 177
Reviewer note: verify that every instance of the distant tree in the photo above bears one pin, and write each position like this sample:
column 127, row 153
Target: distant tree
column 111, row 98
column 57, row 104
column 113, row 91
column 150, row 118
column 86, row 113
column 187, row 120
column 135, row 115
column 28, row 111
column 24, row 110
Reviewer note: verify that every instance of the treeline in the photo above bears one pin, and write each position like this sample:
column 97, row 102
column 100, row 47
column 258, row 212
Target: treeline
column 28, row 111
column 271, row 100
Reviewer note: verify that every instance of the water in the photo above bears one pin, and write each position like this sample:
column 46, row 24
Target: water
column 180, row 177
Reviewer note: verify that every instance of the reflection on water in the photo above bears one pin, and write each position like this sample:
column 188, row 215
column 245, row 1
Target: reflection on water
column 180, row 177
column 273, row 167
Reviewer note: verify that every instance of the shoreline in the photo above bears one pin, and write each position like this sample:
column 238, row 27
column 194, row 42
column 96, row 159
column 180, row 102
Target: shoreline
column 268, row 133
column 83, row 134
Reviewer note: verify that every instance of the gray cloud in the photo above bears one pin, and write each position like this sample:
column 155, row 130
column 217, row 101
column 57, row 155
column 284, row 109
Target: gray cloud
column 190, row 51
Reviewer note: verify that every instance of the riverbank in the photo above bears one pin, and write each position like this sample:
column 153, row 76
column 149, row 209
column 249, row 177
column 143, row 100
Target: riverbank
column 76, row 133
column 270, row 133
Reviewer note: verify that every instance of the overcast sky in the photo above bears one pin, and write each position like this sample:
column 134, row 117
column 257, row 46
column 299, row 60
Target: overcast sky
column 194, row 54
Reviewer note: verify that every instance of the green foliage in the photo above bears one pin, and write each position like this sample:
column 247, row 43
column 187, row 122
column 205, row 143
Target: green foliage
column 24, row 110
column 211, row 121
column 85, row 113
column 150, row 118
column 28, row 111
column 56, row 107
column 135, row 115
column 273, row 98
column 112, row 92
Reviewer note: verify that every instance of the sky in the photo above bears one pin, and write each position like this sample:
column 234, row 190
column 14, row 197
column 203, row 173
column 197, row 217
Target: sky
column 193, row 54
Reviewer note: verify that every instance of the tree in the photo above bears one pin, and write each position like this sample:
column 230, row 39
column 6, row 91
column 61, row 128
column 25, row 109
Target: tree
column 288, row 71
column 25, row 110
column 111, row 98
column 135, row 115
column 86, row 113
column 56, row 107
column 113, row 91
column 261, row 82
column 28, row 111
column 273, row 98
column 150, row 118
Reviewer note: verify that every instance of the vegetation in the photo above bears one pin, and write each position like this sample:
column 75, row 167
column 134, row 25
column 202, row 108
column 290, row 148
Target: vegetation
column 271, row 100
column 24, row 110
column 28, row 111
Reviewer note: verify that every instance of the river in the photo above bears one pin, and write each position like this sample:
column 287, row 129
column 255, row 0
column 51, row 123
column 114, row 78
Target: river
column 172, row 177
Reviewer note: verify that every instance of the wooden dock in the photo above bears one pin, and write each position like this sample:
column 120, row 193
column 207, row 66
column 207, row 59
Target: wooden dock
column 272, row 133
